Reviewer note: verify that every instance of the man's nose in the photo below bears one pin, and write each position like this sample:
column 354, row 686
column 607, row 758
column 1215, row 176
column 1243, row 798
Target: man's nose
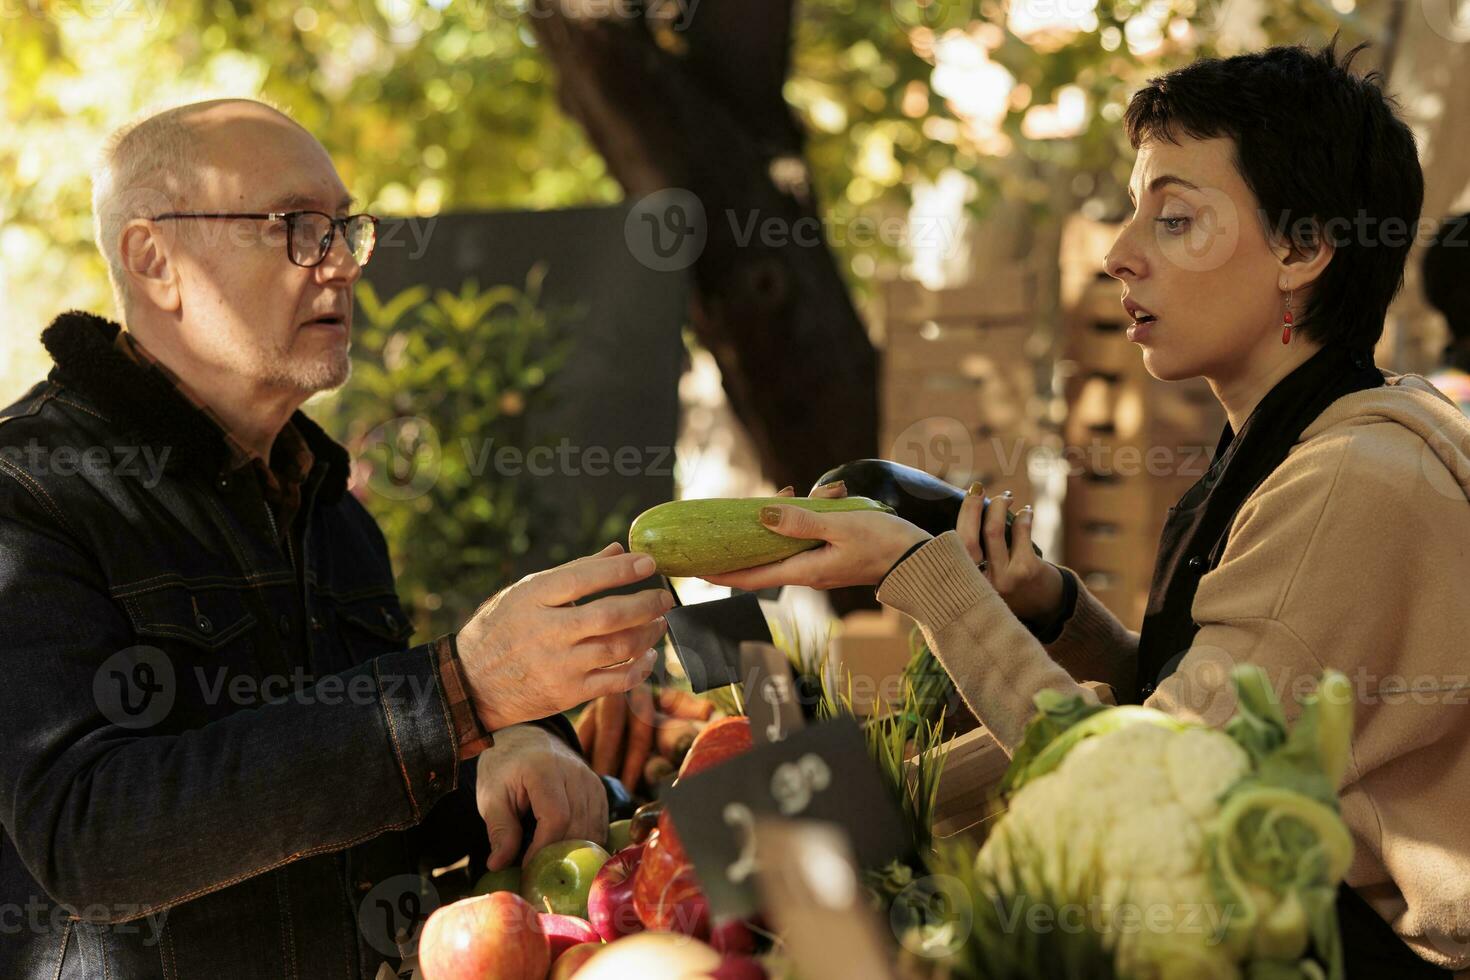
column 340, row 265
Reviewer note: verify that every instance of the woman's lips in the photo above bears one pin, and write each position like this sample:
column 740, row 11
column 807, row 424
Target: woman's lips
column 1139, row 332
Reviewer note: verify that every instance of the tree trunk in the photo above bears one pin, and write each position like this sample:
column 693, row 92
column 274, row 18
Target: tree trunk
column 696, row 110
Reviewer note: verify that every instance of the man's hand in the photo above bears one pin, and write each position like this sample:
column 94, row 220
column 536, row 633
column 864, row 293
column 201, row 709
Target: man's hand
column 530, row 652
column 530, row 769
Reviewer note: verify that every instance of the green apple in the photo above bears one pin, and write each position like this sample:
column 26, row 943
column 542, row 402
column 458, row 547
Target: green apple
column 504, row 880
column 619, row 835
column 559, row 876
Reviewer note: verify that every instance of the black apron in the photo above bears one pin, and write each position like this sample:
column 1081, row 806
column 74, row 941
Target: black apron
column 1194, row 537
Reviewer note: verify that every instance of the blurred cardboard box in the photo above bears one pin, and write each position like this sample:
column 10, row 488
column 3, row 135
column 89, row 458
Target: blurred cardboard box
column 870, row 650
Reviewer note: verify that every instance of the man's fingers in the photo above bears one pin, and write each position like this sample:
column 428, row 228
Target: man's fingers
column 617, row 680
column 967, row 525
column 569, row 583
column 553, row 812
column 614, row 613
column 504, row 826
column 617, row 648
column 588, row 805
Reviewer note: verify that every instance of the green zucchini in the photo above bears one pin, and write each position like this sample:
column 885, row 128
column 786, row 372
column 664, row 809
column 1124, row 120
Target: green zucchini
column 710, row 537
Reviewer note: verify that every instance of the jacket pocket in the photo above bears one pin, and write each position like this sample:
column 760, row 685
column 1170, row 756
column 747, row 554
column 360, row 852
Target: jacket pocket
column 381, row 615
column 363, row 626
column 206, row 618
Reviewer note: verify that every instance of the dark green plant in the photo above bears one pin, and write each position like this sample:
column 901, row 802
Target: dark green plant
column 441, row 382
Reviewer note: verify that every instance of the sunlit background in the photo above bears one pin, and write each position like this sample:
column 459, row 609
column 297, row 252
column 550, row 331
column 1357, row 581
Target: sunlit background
column 965, row 110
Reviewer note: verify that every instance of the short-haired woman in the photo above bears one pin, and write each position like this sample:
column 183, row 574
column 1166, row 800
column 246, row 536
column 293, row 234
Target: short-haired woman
column 1275, row 200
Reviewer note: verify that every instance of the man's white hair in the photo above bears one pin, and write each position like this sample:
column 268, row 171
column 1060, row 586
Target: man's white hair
column 147, row 167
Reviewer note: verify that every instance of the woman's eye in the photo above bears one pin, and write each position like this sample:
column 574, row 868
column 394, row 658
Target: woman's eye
column 1173, row 225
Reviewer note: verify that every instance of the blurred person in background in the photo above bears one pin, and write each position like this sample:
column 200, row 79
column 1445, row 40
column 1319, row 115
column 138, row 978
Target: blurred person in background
column 1446, row 273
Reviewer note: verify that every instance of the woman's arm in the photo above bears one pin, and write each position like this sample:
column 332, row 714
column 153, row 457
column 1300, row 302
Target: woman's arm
column 1093, row 644
column 997, row 665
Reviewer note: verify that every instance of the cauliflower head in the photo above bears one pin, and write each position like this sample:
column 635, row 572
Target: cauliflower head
column 1192, row 852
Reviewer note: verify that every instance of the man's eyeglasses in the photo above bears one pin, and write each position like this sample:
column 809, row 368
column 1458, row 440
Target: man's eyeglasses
column 309, row 234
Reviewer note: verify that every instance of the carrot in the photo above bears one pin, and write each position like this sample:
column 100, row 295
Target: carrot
column 682, row 704
column 640, row 734
column 612, row 716
column 587, row 728
column 675, row 735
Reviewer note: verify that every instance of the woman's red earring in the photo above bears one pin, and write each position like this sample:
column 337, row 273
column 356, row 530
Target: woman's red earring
column 1286, row 322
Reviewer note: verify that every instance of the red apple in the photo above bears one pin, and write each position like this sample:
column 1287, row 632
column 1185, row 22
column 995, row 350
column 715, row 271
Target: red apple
column 565, row 931
column 732, row 937
column 610, row 902
column 572, row 960
column 486, row 936
column 739, row 968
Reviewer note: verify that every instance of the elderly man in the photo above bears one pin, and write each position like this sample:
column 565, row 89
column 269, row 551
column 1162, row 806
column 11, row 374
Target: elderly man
column 220, row 758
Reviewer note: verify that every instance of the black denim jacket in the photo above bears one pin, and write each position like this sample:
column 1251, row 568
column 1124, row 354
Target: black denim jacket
column 215, row 761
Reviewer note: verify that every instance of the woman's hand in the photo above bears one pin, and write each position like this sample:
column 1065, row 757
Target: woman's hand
column 1031, row 587
column 859, row 547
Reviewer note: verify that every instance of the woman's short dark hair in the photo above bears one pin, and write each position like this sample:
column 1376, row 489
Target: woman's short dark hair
column 1324, row 152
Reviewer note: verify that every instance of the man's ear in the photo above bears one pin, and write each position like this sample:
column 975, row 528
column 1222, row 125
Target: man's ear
column 146, row 263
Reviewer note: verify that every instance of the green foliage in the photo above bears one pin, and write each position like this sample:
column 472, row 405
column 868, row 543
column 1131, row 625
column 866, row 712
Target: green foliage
column 439, row 384
column 429, row 106
column 1038, row 931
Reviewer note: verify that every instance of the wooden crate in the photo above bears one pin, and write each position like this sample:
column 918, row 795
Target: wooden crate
column 871, row 649
column 961, row 457
column 1006, row 293
column 966, row 349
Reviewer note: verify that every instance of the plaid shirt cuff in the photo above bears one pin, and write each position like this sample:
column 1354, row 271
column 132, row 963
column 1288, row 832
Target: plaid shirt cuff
column 468, row 732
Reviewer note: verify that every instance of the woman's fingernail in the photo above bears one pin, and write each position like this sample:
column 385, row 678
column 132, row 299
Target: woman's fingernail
column 837, row 484
column 770, row 516
column 1026, row 511
column 786, row 490
column 1008, row 495
column 976, row 489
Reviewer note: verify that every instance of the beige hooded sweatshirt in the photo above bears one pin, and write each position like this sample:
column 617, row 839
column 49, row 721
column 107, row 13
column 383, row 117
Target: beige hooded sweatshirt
column 1354, row 554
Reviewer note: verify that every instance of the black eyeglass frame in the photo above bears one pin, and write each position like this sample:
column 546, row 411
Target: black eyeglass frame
column 290, row 218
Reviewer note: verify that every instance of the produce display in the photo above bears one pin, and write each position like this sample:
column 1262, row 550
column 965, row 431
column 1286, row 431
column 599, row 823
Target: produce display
column 710, row 537
column 1188, row 852
column 1227, row 843
column 496, row 935
column 642, row 738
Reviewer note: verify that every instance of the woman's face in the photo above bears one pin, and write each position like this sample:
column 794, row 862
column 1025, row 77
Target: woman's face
column 1195, row 255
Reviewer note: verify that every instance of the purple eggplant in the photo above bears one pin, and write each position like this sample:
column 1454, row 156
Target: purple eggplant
column 919, row 498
